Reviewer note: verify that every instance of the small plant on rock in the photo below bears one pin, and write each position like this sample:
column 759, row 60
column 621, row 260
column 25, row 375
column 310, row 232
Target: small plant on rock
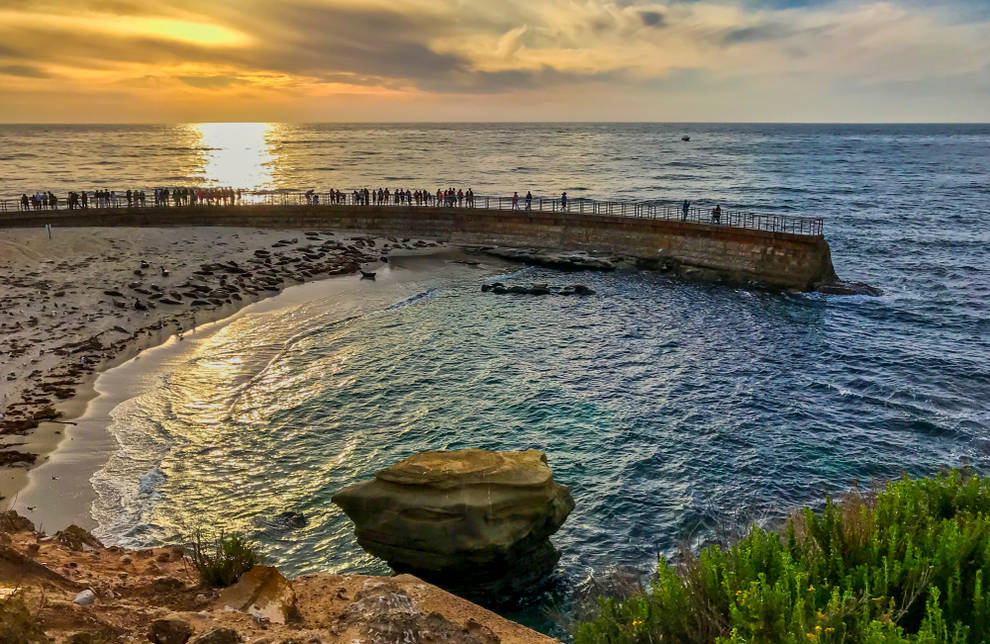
column 221, row 561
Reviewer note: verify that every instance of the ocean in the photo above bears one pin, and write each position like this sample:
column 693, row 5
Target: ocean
column 672, row 410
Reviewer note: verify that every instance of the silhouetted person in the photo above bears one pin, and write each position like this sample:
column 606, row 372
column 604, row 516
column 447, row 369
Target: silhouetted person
column 717, row 214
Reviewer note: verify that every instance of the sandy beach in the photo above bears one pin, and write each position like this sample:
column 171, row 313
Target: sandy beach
column 88, row 299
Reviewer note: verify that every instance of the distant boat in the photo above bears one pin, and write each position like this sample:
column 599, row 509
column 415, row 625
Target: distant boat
column 685, row 138
column 365, row 275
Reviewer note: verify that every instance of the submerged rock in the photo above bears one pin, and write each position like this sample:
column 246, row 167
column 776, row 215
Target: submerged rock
column 473, row 520
column 848, row 288
column 282, row 522
column 535, row 289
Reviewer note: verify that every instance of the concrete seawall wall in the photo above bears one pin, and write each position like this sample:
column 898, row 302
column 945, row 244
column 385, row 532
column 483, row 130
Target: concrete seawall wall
column 777, row 259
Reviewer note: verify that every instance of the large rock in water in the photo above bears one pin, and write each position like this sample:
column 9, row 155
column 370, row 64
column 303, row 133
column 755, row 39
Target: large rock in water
column 475, row 521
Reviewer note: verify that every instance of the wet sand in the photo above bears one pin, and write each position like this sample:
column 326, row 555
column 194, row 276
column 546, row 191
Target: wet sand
column 90, row 299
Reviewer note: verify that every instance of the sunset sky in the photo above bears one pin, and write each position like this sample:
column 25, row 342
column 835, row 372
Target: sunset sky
column 499, row 60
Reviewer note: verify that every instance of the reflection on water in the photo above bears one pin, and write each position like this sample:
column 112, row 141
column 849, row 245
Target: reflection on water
column 237, row 154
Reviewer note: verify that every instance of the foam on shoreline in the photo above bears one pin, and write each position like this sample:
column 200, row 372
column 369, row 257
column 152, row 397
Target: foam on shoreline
column 60, row 491
column 52, row 284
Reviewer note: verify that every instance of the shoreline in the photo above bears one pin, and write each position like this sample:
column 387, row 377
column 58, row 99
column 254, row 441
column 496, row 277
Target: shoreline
column 310, row 257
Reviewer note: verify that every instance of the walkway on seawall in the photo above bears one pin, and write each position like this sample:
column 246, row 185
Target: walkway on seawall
column 793, row 224
column 774, row 250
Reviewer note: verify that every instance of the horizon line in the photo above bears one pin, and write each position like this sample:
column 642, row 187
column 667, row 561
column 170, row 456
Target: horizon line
column 291, row 122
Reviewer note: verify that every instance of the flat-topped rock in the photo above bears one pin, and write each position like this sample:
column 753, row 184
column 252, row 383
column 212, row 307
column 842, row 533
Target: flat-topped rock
column 475, row 521
column 445, row 470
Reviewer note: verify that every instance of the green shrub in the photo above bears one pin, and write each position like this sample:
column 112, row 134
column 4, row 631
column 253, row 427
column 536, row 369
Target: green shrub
column 906, row 565
column 221, row 561
column 17, row 625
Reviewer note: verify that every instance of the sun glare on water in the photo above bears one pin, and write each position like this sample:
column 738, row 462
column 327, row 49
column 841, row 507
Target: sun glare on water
column 237, row 154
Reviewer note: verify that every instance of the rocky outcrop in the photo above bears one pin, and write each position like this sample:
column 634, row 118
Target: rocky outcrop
column 558, row 260
column 498, row 288
column 475, row 521
column 110, row 594
column 385, row 613
column 263, row 593
column 75, row 538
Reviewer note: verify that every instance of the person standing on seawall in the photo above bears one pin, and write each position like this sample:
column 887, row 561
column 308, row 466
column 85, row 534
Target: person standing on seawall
column 563, row 201
column 685, row 207
column 515, row 201
column 717, row 214
column 529, row 200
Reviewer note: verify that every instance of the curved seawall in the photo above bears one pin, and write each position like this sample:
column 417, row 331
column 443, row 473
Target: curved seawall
column 777, row 259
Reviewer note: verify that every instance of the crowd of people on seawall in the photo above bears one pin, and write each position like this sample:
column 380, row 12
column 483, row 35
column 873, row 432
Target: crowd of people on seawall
column 398, row 197
column 106, row 198
column 226, row 196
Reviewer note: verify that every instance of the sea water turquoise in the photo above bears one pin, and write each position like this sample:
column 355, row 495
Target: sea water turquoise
column 671, row 409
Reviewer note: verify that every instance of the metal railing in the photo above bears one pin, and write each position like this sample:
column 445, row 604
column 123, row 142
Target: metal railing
column 620, row 209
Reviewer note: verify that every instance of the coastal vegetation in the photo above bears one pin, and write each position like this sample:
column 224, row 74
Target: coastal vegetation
column 221, row 561
column 908, row 563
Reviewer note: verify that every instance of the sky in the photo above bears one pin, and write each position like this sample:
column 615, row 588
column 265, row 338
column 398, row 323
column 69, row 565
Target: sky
column 117, row 61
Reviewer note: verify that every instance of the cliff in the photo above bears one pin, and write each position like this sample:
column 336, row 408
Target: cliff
column 70, row 588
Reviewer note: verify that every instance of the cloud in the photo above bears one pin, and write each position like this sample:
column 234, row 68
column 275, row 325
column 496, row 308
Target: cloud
column 210, row 82
column 657, row 52
column 652, row 18
column 24, row 71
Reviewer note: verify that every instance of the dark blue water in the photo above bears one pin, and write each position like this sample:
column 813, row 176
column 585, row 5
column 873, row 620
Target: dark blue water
column 669, row 408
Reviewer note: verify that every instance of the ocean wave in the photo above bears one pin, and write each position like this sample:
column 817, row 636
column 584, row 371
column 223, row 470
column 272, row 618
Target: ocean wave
column 412, row 299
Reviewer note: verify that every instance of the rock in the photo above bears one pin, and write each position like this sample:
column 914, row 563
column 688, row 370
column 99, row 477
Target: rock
column 557, row 260
column 75, row 538
column 264, row 593
column 219, row 636
column 170, row 630
column 472, row 520
column 282, row 522
column 27, row 568
column 385, row 613
column 848, row 288
column 85, row 598
column 13, row 458
column 577, row 289
column 166, row 584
